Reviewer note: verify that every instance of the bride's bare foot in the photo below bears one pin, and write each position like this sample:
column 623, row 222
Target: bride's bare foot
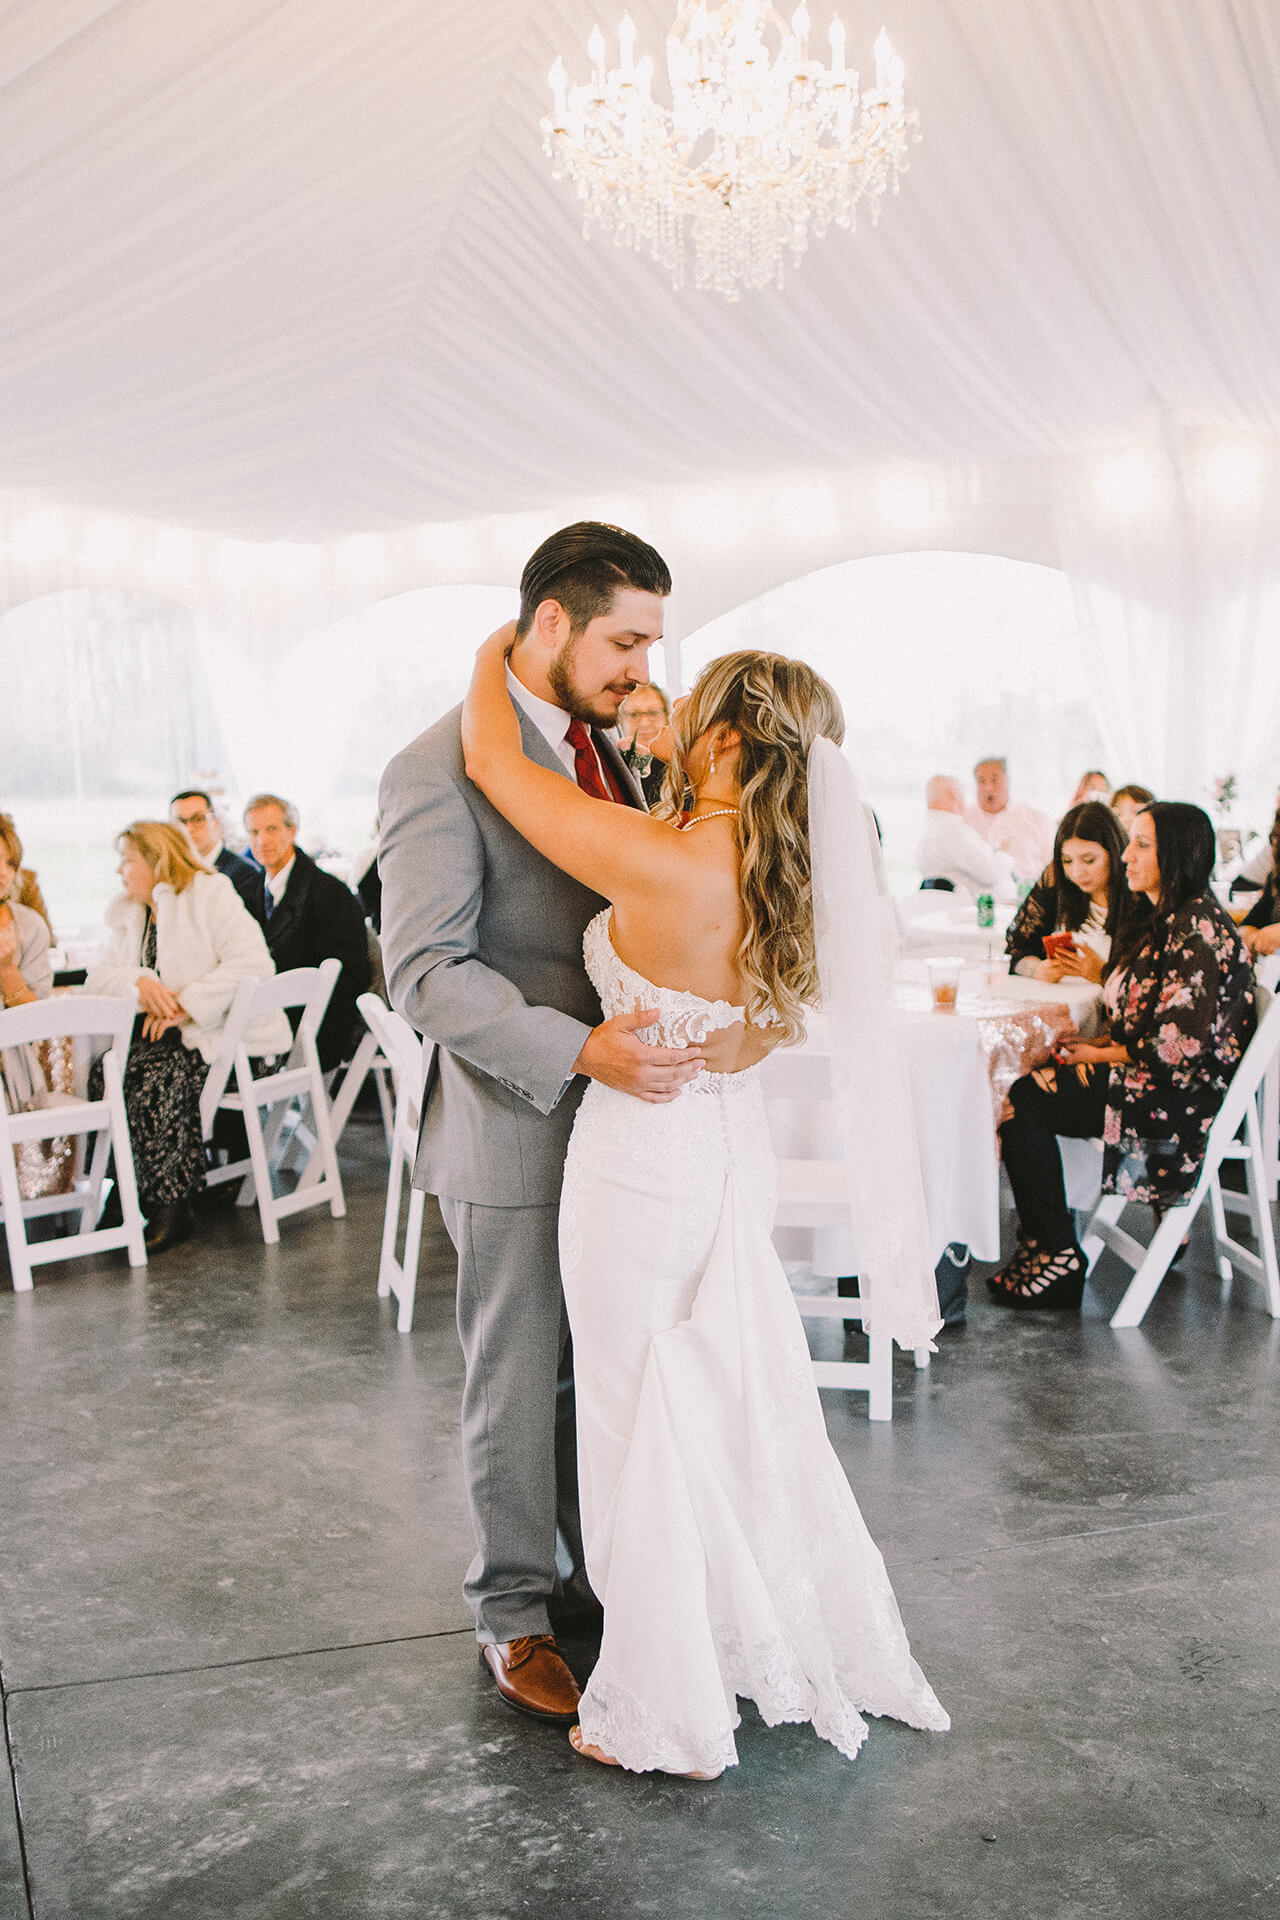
column 589, row 1752
column 579, row 1745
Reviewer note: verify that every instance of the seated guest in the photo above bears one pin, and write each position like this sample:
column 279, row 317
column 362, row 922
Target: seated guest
column 26, row 888
column 1261, row 929
column 26, row 974
column 641, row 718
column 1127, row 803
column 182, row 940
column 949, row 848
column 366, row 881
column 1179, row 996
column 1094, row 785
column 26, row 970
column 1023, row 832
column 194, row 812
column 1256, row 868
column 308, row 916
column 1081, row 892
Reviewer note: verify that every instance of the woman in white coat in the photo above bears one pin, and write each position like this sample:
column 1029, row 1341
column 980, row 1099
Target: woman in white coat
column 182, row 940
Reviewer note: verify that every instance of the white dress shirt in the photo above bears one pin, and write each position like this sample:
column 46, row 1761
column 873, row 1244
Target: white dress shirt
column 553, row 724
column 951, row 850
column 277, row 882
column 1023, row 832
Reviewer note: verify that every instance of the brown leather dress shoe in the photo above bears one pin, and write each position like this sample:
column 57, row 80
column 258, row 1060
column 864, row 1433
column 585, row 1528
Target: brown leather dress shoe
column 532, row 1677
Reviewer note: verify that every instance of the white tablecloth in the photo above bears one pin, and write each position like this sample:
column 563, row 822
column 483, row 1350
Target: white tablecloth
column 934, row 922
column 949, row 1059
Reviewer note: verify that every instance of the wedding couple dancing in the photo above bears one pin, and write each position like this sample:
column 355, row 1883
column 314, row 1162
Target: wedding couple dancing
column 601, row 984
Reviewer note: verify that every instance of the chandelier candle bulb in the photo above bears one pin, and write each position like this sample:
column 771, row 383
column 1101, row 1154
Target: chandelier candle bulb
column 884, row 53
column 627, row 45
column 836, row 37
column 559, row 81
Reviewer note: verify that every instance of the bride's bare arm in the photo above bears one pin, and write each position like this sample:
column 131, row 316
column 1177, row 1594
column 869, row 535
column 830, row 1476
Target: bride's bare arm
column 605, row 846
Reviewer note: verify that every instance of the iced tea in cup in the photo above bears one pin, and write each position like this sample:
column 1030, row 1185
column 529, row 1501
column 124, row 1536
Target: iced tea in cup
column 944, row 983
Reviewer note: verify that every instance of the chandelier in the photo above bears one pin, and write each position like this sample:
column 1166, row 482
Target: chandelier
column 762, row 142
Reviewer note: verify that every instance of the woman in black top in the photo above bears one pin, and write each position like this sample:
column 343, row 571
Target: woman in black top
column 1082, row 891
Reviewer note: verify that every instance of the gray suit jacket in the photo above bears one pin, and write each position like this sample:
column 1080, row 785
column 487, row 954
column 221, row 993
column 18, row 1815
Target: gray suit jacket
column 482, row 943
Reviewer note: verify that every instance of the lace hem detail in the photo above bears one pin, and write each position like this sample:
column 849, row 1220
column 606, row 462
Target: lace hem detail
column 613, row 1719
column 772, row 1676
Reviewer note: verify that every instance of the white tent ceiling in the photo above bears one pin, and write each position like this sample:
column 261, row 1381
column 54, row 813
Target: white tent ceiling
column 293, row 269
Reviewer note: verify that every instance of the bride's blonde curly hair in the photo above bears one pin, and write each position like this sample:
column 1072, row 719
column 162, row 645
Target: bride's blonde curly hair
column 778, row 708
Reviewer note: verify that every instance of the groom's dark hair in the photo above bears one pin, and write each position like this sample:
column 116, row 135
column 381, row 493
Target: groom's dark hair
column 583, row 566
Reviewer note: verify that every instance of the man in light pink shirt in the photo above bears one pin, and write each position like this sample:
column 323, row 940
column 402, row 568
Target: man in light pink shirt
column 1023, row 832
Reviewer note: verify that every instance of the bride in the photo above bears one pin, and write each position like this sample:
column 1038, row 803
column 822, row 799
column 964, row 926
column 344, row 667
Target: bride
column 721, row 1534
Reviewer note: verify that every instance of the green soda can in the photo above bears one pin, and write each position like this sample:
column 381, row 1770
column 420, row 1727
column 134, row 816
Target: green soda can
column 986, row 910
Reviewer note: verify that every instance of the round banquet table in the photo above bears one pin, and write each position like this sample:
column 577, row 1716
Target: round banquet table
column 934, row 922
column 961, row 1065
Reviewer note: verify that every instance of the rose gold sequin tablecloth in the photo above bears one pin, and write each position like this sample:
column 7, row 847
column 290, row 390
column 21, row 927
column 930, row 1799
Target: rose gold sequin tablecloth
column 1014, row 1038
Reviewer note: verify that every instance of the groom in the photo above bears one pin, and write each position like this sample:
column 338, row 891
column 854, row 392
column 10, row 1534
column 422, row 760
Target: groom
column 482, row 940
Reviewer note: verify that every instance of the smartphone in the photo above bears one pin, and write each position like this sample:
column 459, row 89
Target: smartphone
column 1056, row 943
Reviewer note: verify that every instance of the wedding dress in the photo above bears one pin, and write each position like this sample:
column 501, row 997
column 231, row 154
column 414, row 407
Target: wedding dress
column 721, row 1534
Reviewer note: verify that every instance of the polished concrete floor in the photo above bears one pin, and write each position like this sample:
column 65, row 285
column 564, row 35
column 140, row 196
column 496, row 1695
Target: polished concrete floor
column 239, row 1678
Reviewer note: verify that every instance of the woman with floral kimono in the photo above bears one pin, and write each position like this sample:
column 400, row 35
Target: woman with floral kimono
column 1179, row 998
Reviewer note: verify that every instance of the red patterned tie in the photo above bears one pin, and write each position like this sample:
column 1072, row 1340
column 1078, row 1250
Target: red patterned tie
column 592, row 775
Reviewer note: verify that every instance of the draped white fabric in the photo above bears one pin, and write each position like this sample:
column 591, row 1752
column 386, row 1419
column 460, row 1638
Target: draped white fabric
column 298, row 269
column 293, row 316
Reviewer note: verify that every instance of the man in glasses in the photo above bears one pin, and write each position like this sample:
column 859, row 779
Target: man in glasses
column 193, row 811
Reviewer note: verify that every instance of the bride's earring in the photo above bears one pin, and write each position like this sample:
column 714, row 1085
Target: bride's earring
column 713, row 759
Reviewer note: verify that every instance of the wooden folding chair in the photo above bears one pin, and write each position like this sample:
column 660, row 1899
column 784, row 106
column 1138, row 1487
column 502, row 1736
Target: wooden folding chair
column 409, row 1058
column 1236, row 1134
column 79, row 1018
column 298, row 1079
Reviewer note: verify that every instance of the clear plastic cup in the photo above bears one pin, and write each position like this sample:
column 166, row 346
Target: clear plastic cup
column 944, row 983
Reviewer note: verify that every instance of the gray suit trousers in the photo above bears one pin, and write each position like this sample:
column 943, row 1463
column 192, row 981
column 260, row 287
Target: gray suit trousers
column 519, row 1446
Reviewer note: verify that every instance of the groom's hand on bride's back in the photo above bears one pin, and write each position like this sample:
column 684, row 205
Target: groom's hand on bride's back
column 614, row 1054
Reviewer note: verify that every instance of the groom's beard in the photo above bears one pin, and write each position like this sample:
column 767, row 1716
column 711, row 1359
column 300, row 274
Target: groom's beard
column 593, row 712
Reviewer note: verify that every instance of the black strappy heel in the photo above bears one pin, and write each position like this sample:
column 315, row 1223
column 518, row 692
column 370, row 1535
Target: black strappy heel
column 1052, row 1282
column 1017, row 1269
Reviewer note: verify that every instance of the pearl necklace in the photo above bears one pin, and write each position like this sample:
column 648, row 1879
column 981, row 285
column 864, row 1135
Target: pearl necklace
column 697, row 819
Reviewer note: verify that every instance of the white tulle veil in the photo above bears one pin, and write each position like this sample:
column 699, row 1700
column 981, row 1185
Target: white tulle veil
column 856, row 939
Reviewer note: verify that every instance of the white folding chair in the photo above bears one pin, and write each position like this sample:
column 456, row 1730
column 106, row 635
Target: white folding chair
column 299, row 1079
column 368, row 1058
column 1267, row 974
column 1236, row 1134
column 815, row 1194
column 1269, row 1113
column 77, row 1017
column 408, row 1057
column 344, row 1085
